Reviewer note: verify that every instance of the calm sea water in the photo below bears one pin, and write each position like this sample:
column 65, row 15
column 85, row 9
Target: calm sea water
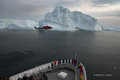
column 98, row 51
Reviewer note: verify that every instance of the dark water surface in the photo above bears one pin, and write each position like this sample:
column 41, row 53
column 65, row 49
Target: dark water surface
column 98, row 51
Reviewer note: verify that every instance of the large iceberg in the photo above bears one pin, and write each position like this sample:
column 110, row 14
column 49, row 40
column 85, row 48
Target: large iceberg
column 112, row 28
column 64, row 19
column 17, row 24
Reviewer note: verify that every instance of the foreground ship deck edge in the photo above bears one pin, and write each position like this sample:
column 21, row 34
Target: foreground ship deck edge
column 47, row 68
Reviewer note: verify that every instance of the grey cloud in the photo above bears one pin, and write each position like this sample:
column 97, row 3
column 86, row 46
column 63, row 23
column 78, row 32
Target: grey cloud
column 23, row 10
column 70, row 3
column 29, row 8
column 114, row 14
column 105, row 1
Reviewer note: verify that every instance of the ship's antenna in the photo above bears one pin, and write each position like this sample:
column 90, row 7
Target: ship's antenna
column 75, row 55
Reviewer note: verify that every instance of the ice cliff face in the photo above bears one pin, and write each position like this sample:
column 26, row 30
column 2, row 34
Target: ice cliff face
column 112, row 28
column 17, row 24
column 64, row 19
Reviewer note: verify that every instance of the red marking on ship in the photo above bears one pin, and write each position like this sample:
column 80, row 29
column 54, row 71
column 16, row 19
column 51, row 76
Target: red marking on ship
column 44, row 27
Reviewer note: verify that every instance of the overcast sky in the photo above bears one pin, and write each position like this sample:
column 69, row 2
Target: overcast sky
column 106, row 11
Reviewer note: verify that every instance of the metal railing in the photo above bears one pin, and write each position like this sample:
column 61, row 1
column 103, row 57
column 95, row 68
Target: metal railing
column 47, row 68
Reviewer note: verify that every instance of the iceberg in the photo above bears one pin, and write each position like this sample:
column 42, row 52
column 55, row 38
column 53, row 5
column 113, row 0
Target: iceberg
column 17, row 24
column 64, row 19
column 112, row 28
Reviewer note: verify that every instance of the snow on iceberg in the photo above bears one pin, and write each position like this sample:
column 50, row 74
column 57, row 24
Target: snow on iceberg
column 112, row 28
column 64, row 19
column 17, row 24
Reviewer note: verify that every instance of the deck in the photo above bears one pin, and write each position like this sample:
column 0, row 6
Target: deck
column 54, row 75
column 52, row 72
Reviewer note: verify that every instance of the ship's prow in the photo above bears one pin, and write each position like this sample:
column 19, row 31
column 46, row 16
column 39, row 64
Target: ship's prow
column 68, row 69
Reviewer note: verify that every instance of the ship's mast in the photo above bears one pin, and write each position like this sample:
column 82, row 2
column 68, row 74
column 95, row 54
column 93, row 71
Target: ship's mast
column 75, row 55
